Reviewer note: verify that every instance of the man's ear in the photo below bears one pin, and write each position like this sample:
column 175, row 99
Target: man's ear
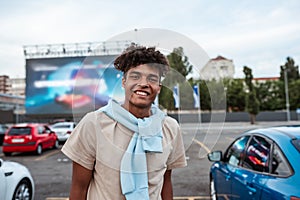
column 160, row 85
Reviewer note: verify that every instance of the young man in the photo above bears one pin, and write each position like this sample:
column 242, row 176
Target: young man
column 128, row 150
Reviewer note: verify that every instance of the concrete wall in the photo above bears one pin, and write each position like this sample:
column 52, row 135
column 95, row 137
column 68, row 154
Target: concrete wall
column 234, row 117
column 6, row 116
column 9, row 117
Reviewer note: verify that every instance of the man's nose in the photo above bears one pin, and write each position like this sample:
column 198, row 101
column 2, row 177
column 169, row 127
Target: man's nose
column 143, row 81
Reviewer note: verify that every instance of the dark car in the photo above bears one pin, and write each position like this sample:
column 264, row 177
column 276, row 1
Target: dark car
column 259, row 164
column 29, row 138
column 3, row 129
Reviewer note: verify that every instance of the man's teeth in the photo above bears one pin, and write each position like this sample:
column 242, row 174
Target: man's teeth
column 141, row 93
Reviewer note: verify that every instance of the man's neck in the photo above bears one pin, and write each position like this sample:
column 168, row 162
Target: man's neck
column 137, row 111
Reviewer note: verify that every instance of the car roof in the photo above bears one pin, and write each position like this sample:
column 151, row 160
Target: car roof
column 64, row 123
column 278, row 133
column 28, row 125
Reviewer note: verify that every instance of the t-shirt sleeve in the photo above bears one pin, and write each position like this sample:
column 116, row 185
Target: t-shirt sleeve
column 81, row 145
column 177, row 157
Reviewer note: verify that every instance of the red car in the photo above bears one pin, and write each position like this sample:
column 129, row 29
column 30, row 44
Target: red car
column 29, row 138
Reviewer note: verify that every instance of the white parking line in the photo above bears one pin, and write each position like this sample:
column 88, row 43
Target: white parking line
column 46, row 155
column 202, row 145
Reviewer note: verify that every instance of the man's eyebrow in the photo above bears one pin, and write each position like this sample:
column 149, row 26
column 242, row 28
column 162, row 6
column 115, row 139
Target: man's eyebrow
column 135, row 72
column 154, row 75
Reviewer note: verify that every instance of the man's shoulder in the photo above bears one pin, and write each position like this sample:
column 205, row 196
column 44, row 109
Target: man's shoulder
column 170, row 122
column 95, row 117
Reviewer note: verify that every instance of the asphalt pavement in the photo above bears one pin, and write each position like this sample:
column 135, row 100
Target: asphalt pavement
column 52, row 170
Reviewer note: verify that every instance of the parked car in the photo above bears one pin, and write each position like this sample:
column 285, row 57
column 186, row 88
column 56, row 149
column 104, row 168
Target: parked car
column 259, row 164
column 63, row 130
column 15, row 181
column 3, row 129
column 29, row 138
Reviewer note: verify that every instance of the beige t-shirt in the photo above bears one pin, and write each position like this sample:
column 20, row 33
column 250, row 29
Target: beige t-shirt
column 98, row 142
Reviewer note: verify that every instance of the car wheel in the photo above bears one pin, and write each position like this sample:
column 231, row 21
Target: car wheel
column 7, row 153
column 56, row 144
column 39, row 149
column 212, row 189
column 23, row 190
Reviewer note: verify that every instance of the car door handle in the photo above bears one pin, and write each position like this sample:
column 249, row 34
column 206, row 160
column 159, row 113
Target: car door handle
column 251, row 188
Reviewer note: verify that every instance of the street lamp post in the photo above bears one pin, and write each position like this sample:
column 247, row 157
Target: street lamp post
column 286, row 87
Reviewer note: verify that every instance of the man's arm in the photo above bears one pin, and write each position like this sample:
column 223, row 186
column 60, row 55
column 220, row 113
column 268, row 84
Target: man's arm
column 167, row 190
column 81, row 178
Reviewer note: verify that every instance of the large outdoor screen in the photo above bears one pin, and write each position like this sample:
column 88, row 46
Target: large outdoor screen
column 71, row 85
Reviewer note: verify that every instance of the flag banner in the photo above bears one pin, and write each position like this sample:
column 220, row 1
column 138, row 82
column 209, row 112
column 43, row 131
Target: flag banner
column 176, row 96
column 196, row 96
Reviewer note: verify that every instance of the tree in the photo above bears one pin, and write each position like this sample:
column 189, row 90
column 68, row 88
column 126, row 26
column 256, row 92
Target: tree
column 252, row 103
column 180, row 68
column 291, row 69
column 205, row 100
column 186, row 95
column 293, row 77
column 270, row 95
column 217, row 94
column 294, row 93
column 235, row 94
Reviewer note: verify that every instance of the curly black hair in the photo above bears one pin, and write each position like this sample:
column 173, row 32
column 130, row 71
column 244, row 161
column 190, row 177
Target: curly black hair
column 136, row 55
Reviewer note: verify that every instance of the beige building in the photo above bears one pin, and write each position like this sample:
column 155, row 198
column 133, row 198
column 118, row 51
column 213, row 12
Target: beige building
column 217, row 68
column 12, row 94
column 17, row 87
column 4, row 84
column 12, row 86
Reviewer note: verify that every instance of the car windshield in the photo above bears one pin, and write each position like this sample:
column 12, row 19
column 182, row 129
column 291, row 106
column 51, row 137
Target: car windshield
column 19, row 131
column 61, row 126
column 296, row 143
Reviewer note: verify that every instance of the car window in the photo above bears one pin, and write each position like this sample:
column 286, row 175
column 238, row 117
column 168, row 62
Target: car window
column 296, row 143
column 258, row 154
column 43, row 130
column 47, row 129
column 19, row 131
column 234, row 153
column 280, row 165
column 40, row 130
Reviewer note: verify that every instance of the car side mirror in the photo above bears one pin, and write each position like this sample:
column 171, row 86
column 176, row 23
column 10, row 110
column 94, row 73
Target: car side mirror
column 215, row 156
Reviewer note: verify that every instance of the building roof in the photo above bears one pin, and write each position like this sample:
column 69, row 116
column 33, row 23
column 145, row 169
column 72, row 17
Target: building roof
column 219, row 58
column 266, row 79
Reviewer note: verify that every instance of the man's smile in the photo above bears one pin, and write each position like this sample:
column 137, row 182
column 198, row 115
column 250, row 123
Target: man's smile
column 141, row 93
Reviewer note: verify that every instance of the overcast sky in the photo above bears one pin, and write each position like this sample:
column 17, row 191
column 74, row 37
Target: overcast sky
column 258, row 34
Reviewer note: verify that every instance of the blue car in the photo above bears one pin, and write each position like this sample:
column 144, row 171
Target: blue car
column 260, row 164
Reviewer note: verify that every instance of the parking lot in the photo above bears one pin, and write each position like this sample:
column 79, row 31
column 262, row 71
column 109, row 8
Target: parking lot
column 52, row 170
